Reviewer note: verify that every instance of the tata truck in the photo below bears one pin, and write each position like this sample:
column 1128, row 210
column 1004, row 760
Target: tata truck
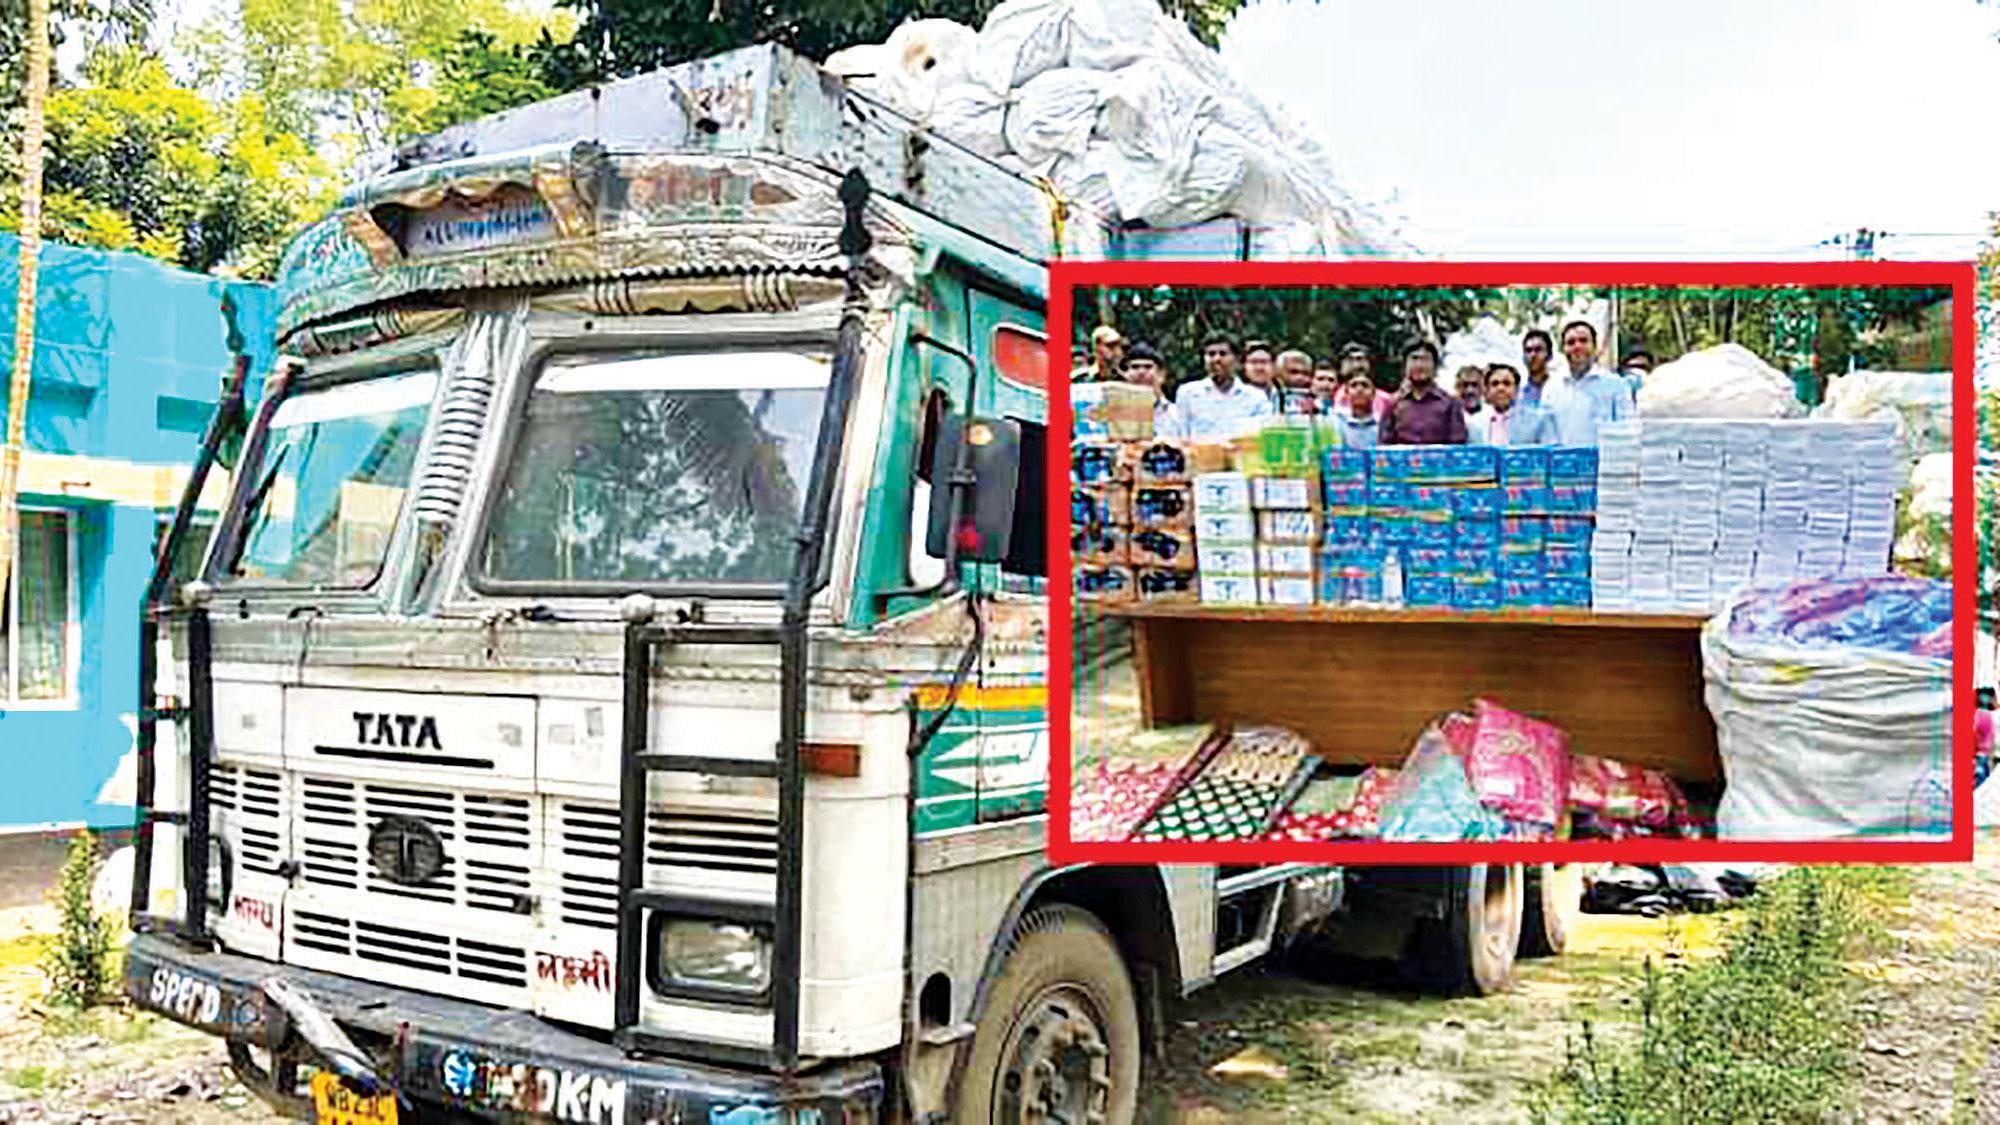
column 615, row 690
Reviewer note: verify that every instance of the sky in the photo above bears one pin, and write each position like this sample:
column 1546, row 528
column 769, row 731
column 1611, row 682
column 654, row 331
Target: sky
column 1704, row 129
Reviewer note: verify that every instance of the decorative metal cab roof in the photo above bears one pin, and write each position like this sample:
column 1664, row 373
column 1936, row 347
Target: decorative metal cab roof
column 723, row 166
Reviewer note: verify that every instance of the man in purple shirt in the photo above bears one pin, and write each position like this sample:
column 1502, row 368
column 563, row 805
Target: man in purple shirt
column 1423, row 413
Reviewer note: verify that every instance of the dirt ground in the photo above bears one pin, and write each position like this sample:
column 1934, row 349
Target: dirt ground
column 1303, row 1050
column 1314, row 1051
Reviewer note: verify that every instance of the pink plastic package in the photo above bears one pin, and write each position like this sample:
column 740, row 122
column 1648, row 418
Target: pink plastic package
column 1518, row 765
column 1622, row 792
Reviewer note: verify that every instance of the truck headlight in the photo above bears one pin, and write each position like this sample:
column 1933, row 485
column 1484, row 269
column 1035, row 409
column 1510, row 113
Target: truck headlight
column 703, row 954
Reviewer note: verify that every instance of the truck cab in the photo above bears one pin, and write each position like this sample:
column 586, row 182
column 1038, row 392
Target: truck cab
column 617, row 687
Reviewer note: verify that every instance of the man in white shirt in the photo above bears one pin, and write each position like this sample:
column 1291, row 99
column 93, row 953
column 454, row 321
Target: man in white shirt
column 1510, row 421
column 1591, row 395
column 1221, row 406
column 1144, row 368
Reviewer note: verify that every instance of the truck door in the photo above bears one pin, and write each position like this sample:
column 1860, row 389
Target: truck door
column 1012, row 699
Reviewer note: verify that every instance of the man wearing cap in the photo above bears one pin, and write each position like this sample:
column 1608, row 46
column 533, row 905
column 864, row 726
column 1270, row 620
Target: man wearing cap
column 1222, row 406
column 1109, row 349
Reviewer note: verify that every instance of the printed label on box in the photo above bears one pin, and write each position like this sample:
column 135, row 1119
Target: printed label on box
column 1227, row 527
column 1288, row 527
column 1289, row 493
column 1285, row 590
column 1226, row 558
column 1228, row 589
column 1274, row 559
column 1221, row 492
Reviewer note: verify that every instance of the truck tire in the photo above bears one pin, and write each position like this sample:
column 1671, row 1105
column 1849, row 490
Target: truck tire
column 1552, row 901
column 1059, row 1036
column 1469, row 951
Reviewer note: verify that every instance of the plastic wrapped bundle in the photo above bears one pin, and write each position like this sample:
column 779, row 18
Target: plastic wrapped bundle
column 1832, row 705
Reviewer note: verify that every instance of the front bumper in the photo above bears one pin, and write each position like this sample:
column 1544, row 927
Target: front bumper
column 490, row 1061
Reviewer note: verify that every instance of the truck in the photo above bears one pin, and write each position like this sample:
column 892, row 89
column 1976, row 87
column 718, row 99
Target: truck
column 615, row 689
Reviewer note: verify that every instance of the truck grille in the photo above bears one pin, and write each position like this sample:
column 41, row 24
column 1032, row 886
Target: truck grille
column 726, row 851
column 253, row 804
column 442, row 954
column 486, row 838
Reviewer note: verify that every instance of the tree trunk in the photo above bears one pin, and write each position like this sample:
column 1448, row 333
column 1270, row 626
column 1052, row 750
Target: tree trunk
column 24, row 296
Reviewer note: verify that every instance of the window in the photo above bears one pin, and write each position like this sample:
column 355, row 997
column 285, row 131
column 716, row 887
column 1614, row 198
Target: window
column 664, row 468
column 186, row 565
column 336, row 464
column 39, row 645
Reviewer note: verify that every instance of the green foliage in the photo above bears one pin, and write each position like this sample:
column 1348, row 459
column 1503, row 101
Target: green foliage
column 136, row 162
column 1316, row 320
column 357, row 76
column 1843, row 329
column 78, row 962
column 621, row 37
column 1764, row 1032
column 112, row 21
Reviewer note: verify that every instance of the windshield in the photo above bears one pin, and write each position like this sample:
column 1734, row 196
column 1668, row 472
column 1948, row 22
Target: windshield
column 660, row 468
column 335, row 467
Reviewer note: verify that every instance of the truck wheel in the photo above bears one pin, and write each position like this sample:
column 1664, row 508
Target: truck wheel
column 1059, row 1038
column 1470, row 950
column 1549, row 908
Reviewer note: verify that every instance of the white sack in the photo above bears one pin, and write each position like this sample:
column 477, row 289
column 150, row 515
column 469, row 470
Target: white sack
column 1821, row 744
column 972, row 115
column 1054, row 113
column 1726, row 381
column 1919, row 403
column 1021, row 39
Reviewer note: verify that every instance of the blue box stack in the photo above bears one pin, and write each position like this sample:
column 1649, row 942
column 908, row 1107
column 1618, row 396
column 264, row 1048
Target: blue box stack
column 1474, row 527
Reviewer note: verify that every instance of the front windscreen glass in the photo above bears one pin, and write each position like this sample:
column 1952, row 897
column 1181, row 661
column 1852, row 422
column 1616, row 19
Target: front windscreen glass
column 679, row 468
column 336, row 465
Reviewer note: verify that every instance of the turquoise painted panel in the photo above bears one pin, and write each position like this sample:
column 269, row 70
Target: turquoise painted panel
column 129, row 360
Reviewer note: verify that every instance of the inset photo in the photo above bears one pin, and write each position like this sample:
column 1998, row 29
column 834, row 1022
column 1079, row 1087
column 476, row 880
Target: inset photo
column 1431, row 563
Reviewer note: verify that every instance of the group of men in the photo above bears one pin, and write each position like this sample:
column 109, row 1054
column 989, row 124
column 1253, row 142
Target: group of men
column 1494, row 404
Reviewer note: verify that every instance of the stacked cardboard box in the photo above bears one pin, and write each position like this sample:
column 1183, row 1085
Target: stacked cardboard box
column 1132, row 519
column 1255, row 527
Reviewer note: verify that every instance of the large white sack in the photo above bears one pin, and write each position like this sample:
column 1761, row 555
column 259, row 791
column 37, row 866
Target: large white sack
column 1086, row 179
column 1108, row 34
column 919, row 59
column 1919, row 403
column 1484, row 343
column 1020, row 39
column 1204, row 188
column 1154, row 111
column 1725, row 381
column 1054, row 113
column 972, row 115
column 1821, row 744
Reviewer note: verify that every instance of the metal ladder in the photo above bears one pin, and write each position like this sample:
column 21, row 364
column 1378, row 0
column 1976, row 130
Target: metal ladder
column 197, row 710
column 637, row 763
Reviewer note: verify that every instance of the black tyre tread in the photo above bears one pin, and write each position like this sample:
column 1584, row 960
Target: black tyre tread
column 1441, row 951
column 1054, row 943
column 1538, row 937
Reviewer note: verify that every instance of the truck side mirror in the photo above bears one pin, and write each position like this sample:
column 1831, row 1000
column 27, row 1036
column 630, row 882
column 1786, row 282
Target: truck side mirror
column 991, row 448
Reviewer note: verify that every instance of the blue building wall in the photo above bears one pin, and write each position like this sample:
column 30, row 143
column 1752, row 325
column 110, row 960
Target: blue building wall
column 129, row 361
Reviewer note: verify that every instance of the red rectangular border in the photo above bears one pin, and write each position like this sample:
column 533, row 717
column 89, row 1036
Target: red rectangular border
column 1066, row 276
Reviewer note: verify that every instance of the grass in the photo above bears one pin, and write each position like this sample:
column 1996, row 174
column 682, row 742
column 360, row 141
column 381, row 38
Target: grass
column 1764, row 1030
column 28, row 1077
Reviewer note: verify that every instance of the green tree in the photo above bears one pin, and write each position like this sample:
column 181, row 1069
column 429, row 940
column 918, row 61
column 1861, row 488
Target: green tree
column 621, row 37
column 136, row 162
column 113, row 21
column 357, row 75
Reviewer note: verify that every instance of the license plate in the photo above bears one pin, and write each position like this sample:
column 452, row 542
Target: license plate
column 335, row 1104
